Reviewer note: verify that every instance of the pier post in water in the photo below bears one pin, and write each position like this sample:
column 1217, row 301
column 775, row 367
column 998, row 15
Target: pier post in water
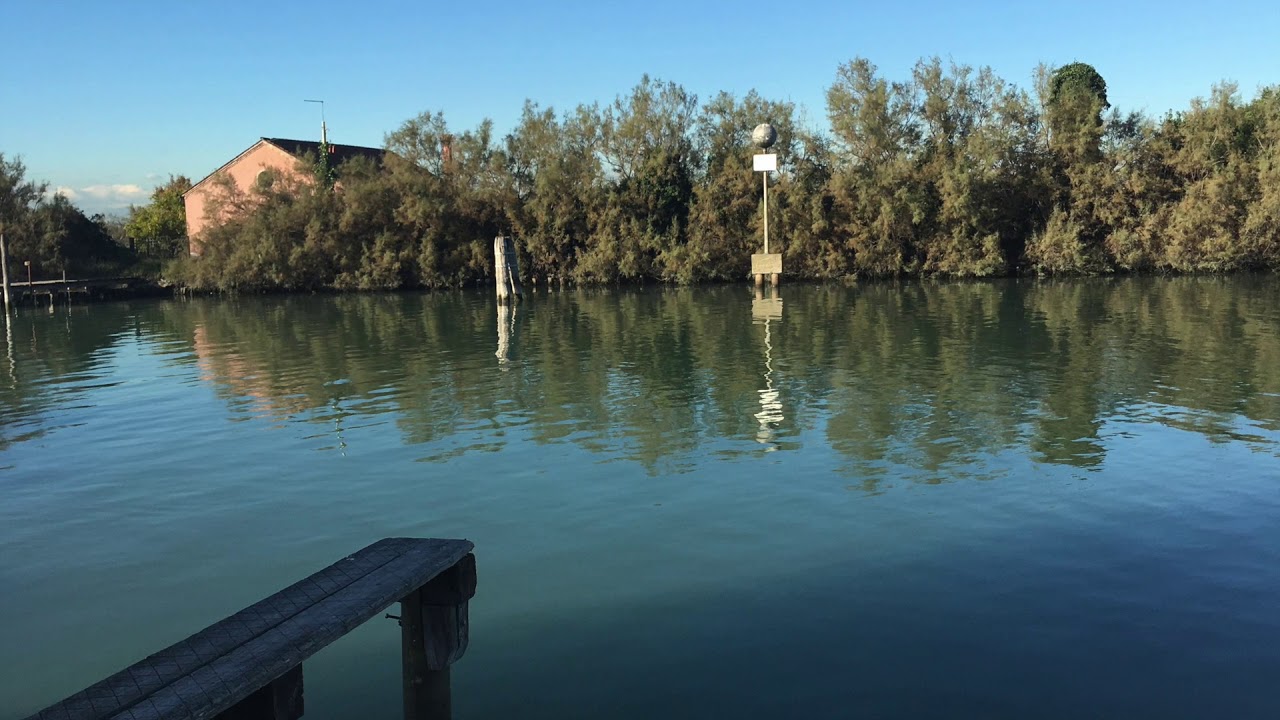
column 434, row 634
column 4, row 269
column 506, row 269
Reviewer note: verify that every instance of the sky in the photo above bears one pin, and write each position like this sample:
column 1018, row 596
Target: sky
column 106, row 100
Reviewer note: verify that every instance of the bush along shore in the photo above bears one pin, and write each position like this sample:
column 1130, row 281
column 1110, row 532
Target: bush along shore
column 950, row 172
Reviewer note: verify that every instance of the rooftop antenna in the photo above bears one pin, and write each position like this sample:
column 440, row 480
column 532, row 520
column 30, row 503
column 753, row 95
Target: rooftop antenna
column 324, row 130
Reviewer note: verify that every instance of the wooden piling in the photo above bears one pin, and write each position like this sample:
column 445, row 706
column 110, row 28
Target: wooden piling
column 434, row 632
column 506, row 269
column 281, row 699
column 4, row 270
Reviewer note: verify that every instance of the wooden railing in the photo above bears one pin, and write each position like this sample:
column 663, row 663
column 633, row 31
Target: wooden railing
column 249, row 665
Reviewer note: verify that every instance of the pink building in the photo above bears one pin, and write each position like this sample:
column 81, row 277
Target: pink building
column 266, row 159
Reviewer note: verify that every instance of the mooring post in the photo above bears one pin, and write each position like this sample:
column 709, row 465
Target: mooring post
column 513, row 266
column 4, row 269
column 500, row 268
column 506, row 270
column 434, row 634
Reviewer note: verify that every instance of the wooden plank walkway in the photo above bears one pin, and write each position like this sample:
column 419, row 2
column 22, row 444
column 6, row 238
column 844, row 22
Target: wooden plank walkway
column 217, row 668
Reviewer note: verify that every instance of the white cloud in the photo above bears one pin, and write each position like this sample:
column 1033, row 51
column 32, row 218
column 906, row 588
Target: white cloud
column 113, row 193
column 106, row 198
column 103, row 198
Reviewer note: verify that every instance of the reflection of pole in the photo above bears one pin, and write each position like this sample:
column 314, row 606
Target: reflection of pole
column 770, row 402
column 8, row 339
column 765, row 175
column 506, row 325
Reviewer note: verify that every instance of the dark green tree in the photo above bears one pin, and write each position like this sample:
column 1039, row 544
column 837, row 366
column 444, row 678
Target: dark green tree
column 165, row 217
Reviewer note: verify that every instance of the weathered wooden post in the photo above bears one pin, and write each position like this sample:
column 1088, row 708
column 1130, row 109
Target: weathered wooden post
column 434, row 635
column 280, row 699
column 4, row 268
column 766, row 263
column 506, row 269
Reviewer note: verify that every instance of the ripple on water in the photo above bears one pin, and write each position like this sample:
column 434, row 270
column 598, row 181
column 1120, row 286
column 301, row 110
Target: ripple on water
column 1080, row 496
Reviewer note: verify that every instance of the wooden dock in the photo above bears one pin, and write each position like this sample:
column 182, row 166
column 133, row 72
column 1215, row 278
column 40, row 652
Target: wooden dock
column 49, row 291
column 249, row 665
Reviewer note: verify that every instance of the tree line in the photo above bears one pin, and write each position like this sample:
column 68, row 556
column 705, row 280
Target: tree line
column 47, row 230
column 950, row 172
column 50, row 233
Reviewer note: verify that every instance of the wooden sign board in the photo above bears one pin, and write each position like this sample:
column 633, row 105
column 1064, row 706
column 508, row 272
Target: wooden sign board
column 766, row 264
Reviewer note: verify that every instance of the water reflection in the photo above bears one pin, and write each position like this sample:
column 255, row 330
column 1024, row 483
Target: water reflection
column 765, row 310
column 922, row 380
column 506, row 329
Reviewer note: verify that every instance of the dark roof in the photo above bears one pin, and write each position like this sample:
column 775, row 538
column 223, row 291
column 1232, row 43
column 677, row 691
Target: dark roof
column 298, row 148
column 340, row 153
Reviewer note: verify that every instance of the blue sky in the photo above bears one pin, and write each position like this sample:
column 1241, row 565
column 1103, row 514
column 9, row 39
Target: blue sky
column 107, row 99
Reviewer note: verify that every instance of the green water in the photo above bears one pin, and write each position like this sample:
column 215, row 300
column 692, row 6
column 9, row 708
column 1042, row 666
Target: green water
column 995, row 500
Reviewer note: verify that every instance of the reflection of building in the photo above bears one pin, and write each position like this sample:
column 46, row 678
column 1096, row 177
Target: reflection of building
column 231, row 370
column 264, row 162
column 763, row 311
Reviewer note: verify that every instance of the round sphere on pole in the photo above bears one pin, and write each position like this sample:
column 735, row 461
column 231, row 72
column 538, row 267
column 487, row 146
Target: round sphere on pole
column 764, row 136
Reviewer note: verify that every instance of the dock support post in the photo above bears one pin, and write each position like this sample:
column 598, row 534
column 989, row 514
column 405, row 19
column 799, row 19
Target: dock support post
column 281, row 699
column 434, row 632
column 4, row 268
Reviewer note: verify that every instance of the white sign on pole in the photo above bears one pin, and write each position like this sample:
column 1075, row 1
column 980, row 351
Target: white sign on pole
column 766, row 162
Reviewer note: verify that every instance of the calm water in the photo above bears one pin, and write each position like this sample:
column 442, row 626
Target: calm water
column 996, row 500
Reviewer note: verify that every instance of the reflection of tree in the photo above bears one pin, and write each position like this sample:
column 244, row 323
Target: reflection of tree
column 52, row 361
column 926, row 380
column 1073, row 339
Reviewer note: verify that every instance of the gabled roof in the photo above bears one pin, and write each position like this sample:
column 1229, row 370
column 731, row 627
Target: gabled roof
column 299, row 148
column 339, row 153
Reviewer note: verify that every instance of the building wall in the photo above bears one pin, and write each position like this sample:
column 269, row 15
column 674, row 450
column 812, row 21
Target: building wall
column 243, row 171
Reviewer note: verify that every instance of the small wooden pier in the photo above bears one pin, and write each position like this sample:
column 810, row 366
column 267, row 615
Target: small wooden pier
column 249, row 665
column 49, row 291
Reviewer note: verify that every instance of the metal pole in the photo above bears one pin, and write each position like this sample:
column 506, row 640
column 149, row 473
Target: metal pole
column 765, row 175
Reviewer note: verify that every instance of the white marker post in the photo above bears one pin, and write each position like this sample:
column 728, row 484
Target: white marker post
column 765, row 264
column 764, row 164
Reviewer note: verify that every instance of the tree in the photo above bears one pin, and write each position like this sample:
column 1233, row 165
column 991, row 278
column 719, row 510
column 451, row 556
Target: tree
column 165, row 217
column 17, row 195
column 1077, row 97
